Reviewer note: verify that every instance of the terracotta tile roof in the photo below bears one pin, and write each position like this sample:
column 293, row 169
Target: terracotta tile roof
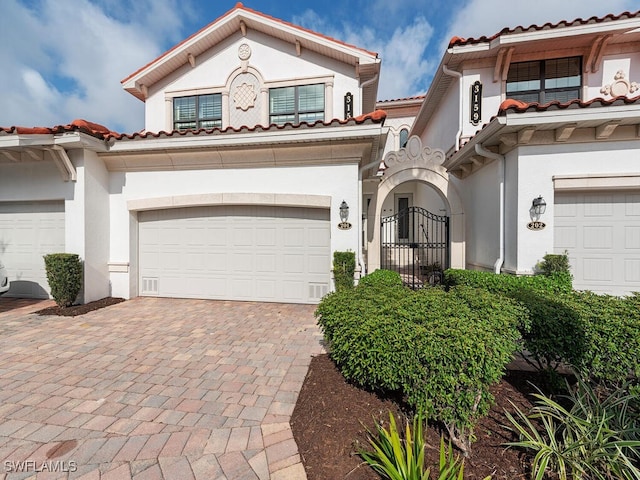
column 79, row 125
column 517, row 106
column 377, row 116
column 458, row 41
column 240, row 6
column 101, row 132
column 417, row 97
column 521, row 107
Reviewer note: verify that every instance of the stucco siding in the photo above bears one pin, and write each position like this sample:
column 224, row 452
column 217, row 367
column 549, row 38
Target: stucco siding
column 272, row 61
column 339, row 182
column 538, row 165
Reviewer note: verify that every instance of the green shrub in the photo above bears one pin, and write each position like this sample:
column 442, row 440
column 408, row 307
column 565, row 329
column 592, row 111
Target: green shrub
column 441, row 349
column 64, row 274
column 598, row 334
column 557, row 267
column 590, row 438
column 382, row 279
column 344, row 265
column 506, row 284
column 611, row 329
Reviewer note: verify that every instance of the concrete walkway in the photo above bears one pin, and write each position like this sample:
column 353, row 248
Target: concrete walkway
column 154, row 389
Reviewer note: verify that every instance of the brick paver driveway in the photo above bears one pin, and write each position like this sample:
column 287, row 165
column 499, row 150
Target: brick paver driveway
column 154, row 388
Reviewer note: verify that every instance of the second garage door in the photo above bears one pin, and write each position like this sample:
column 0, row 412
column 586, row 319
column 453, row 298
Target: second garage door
column 601, row 232
column 29, row 230
column 277, row 254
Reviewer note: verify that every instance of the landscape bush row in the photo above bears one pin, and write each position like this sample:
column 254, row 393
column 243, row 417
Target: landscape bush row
column 599, row 335
column 441, row 350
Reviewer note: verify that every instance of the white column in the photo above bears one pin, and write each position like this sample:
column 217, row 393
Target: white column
column 264, row 114
column 168, row 114
column 328, row 101
column 225, row 110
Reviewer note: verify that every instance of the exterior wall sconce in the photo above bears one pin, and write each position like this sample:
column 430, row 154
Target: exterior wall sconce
column 344, row 216
column 538, row 207
column 344, row 211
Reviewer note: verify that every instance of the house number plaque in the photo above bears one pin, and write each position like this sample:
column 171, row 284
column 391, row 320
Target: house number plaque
column 476, row 103
column 536, row 225
column 348, row 105
column 344, row 225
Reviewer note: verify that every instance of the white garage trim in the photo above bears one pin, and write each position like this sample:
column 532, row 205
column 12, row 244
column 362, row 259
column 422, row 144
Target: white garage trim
column 28, row 231
column 235, row 252
column 601, row 232
column 277, row 199
column 597, row 182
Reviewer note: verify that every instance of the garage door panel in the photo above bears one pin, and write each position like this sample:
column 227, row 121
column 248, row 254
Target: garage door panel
column 597, row 269
column 565, row 237
column 597, row 237
column 250, row 253
column 598, row 205
column 266, row 263
column 632, row 205
column 632, row 270
column 601, row 232
column 632, row 237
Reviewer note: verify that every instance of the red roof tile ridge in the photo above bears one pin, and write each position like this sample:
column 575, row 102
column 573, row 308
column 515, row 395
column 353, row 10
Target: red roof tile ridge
column 459, row 41
column 91, row 128
column 377, row 116
column 415, row 97
column 521, row 107
column 240, row 6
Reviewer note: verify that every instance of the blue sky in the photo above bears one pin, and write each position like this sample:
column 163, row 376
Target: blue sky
column 64, row 59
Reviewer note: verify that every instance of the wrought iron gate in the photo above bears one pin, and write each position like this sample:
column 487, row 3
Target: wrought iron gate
column 415, row 243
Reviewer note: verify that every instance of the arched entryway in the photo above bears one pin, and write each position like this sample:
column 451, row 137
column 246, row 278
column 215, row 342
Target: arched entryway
column 415, row 188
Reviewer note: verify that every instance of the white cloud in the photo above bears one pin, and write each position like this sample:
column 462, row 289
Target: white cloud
column 402, row 51
column 85, row 52
column 487, row 17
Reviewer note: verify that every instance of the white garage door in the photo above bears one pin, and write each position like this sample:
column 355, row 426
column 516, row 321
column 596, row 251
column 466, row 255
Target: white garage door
column 275, row 254
column 29, row 230
column 601, row 232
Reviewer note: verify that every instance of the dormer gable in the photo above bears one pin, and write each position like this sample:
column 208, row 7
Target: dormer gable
column 227, row 32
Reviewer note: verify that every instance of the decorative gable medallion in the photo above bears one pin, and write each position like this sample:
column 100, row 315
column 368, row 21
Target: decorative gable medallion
column 244, row 96
column 244, row 52
column 620, row 86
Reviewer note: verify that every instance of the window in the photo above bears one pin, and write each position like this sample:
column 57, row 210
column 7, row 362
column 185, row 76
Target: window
column 303, row 103
column 546, row 80
column 201, row 111
column 404, row 136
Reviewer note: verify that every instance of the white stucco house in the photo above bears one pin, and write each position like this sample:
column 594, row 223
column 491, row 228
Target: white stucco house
column 257, row 131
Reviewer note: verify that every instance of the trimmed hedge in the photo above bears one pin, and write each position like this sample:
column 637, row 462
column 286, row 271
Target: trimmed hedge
column 442, row 350
column 64, row 274
column 599, row 335
column 506, row 284
column 344, row 265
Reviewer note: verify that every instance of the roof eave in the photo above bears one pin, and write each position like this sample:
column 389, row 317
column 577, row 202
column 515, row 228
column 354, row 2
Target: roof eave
column 136, row 82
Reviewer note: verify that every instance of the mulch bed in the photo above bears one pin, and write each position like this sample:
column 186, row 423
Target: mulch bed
column 331, row 416
column 75, row 310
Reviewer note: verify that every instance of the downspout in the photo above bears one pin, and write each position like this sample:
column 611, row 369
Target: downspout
column 458, row 75
column 480, row 150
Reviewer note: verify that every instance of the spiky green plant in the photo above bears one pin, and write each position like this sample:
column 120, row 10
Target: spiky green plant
column 593, row 439
column 397, row 458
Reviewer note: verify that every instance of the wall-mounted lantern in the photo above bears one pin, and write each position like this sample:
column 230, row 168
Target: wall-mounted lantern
column 344, row 216
column 538, row 207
